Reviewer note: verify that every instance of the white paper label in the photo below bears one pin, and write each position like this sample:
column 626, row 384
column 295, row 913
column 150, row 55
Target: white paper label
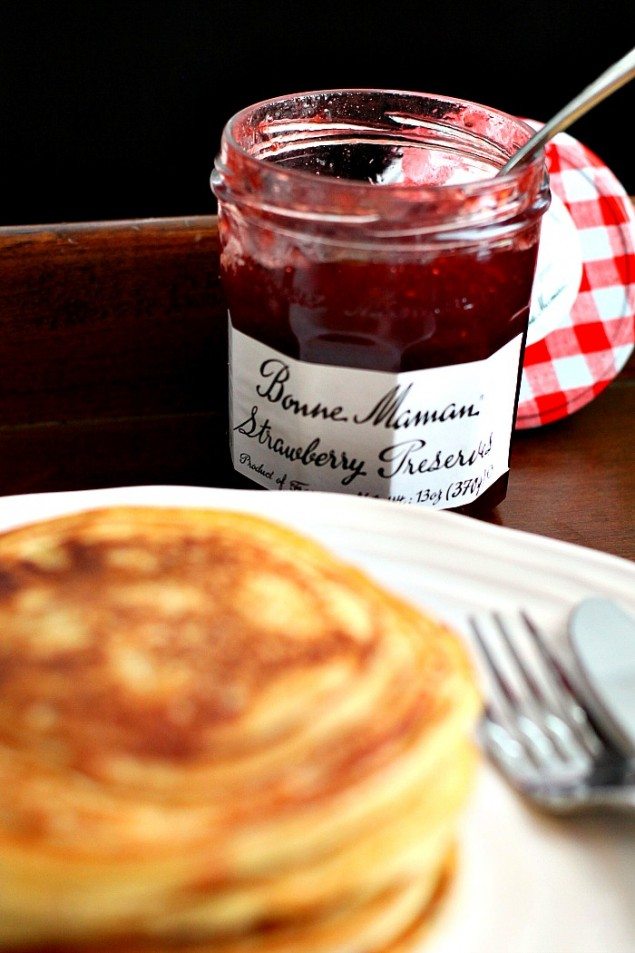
column 439, row 437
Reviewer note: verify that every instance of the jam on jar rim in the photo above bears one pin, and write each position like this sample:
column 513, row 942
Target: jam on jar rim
column 248, row 174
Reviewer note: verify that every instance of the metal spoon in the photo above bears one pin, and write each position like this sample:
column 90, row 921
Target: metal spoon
column 615, row 76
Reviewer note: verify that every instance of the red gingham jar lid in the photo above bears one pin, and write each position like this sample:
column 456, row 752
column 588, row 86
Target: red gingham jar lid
column 581, row 330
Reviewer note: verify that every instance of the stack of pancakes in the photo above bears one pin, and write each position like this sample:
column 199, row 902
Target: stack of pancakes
column 214, row 736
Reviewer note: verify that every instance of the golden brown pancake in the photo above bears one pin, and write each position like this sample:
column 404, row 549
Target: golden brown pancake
column 215, row 737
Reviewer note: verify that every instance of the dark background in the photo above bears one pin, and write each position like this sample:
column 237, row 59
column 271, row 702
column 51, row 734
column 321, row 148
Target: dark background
column 115, row 110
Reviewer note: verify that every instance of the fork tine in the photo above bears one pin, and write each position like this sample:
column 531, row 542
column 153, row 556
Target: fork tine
column 506, row 701
column 548, row 726
column 536, row 729
column 533, row 685
column 567, row 743
column 571, row 709
column 494, row 669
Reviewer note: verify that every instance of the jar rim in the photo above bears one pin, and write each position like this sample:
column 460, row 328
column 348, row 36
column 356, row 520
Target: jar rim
column 299, row 176
column 246, row 176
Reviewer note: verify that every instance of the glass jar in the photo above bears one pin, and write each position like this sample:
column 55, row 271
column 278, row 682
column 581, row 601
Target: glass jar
column 378, row 277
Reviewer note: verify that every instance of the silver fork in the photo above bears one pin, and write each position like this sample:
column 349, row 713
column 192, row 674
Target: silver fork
column 536, row 727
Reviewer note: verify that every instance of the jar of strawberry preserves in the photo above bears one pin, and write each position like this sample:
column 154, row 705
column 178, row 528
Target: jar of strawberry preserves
column 378, row 278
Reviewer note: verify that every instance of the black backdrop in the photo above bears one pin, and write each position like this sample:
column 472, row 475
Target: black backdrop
column 114, row 110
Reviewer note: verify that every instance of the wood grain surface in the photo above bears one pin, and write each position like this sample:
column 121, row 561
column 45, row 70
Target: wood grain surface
column 113, row 372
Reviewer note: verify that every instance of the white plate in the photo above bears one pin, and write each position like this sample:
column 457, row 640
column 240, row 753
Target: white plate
column 527, row 883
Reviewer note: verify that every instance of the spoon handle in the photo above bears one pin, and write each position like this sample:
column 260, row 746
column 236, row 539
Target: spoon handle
column 615, row 76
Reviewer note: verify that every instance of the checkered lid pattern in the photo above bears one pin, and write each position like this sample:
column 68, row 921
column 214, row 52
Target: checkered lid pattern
column 576, row 360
